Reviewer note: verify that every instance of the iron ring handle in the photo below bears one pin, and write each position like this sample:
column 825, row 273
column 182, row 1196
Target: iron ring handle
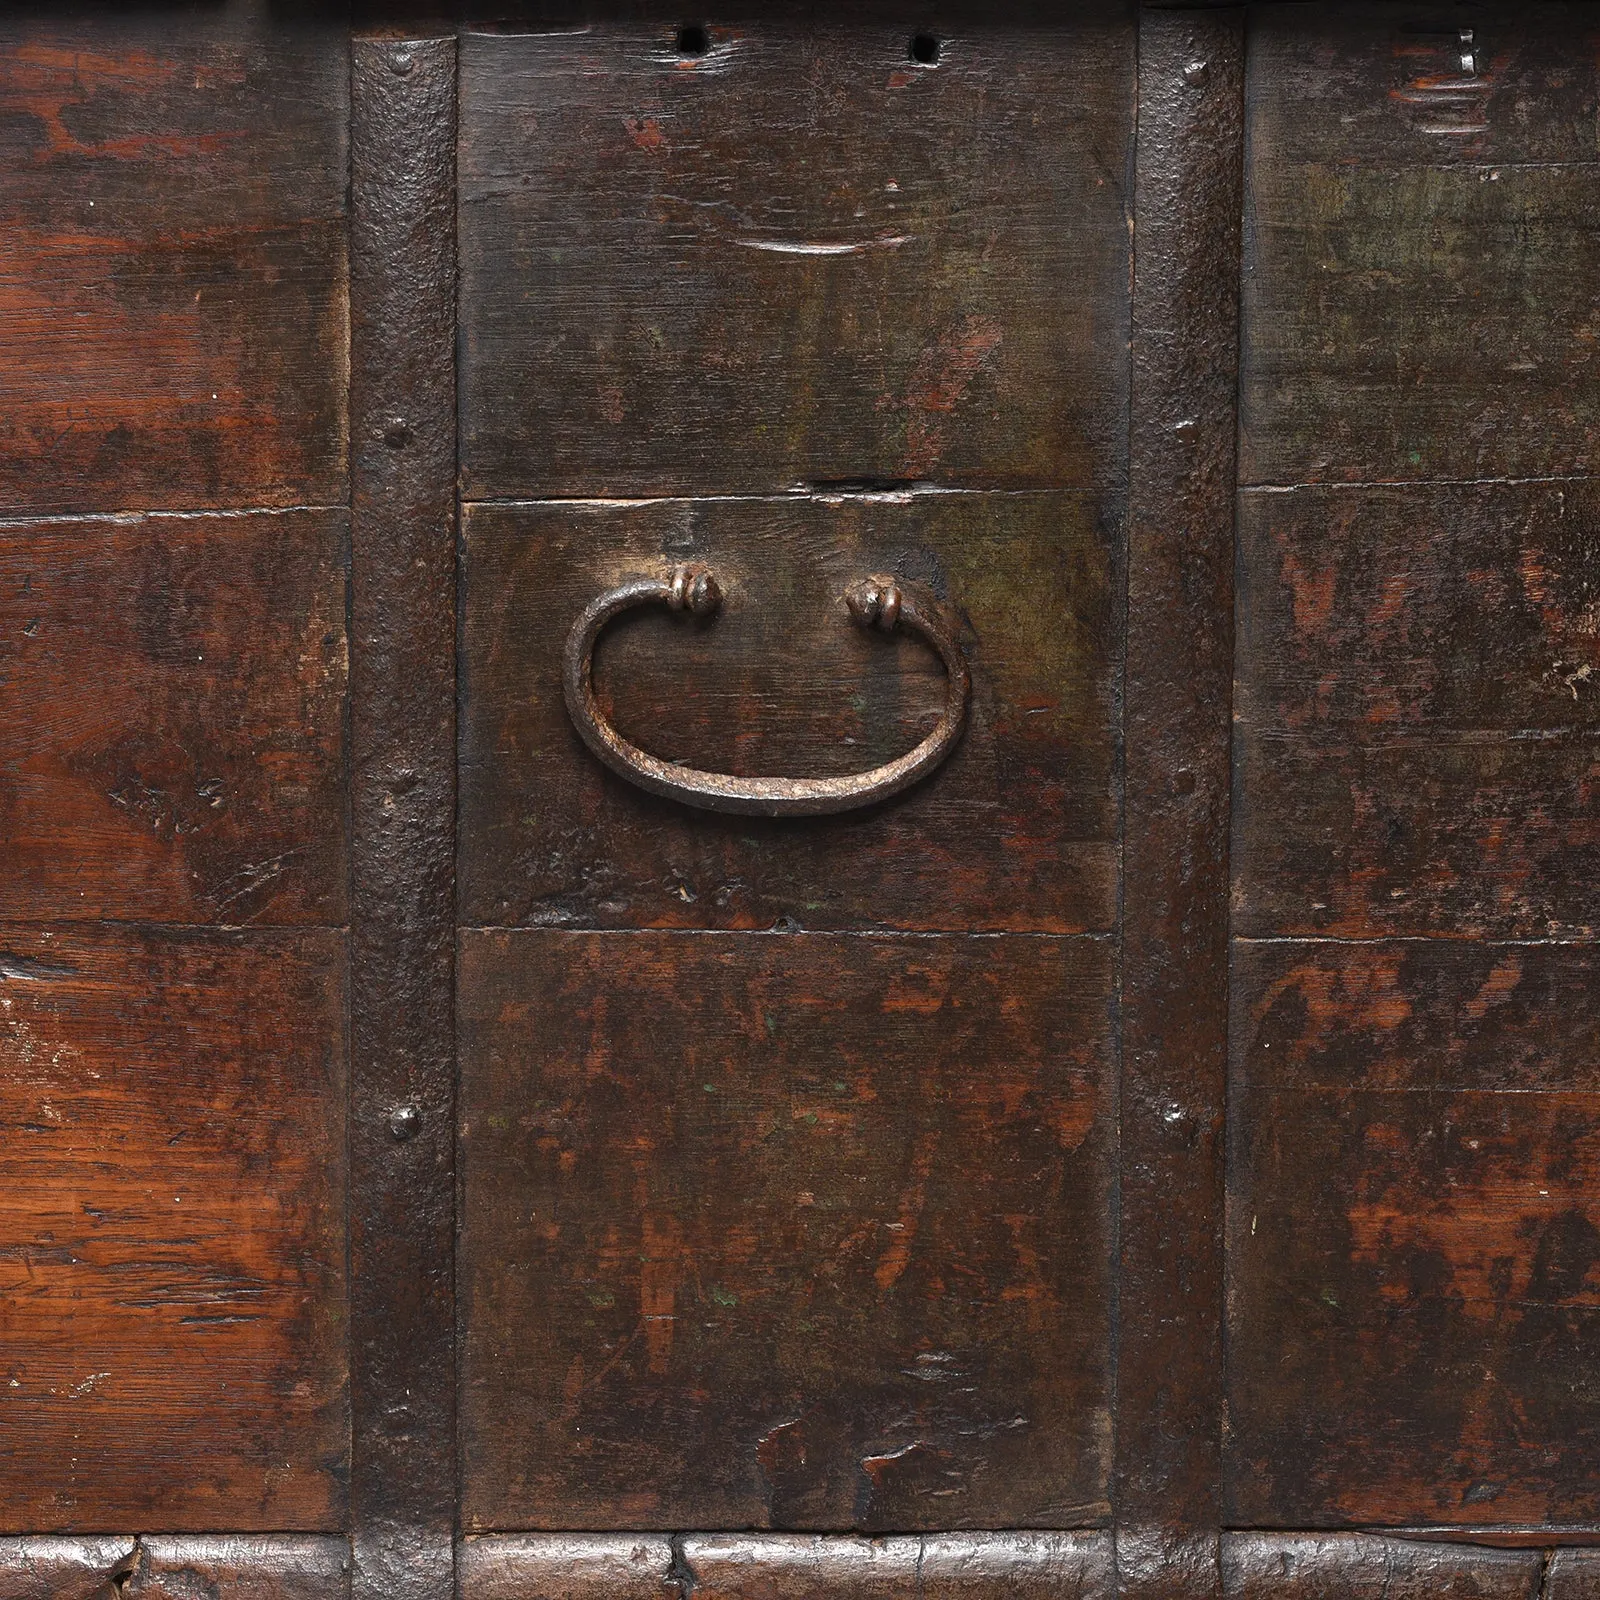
column 874, row 601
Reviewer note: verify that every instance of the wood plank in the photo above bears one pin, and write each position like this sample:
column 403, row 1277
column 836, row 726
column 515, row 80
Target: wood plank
column 173, row 693
column 798, row 255
column 1177, row 734
column 1355, row 1566
column 172, row 260
column 172, row 1212
column 1015, row 831
column 1419, row 711
column 1421, row 273
column 1415, row 1280
column 402, row 802
column 787, row 1231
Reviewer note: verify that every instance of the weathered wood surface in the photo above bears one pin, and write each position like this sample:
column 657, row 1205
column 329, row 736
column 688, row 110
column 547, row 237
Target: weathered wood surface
column 172, row 248
column 172, row 1210
column 173, row 692
column 798, row 256
column 795, row 1231
column 1413, row 1244
column 402, row 799
column 1015, row 831
column 1573, row 1575
column 1355, row 1566
column 1421, row 279
column 1419, row 711
column 1177, row 735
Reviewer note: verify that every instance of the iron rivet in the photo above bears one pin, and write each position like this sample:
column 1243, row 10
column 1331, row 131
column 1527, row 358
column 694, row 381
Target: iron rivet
column 405, row 1122
column 1196, row 74
column 400, row 63
column 396, row 433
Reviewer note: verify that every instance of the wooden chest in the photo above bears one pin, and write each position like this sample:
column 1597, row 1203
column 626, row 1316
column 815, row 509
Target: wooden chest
column 800, row 804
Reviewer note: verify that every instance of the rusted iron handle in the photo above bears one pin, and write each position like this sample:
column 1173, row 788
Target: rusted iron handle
column 875, row 601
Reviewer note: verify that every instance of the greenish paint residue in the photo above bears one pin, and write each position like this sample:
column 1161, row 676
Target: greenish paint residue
column 601, row 1299
column 723, row 1297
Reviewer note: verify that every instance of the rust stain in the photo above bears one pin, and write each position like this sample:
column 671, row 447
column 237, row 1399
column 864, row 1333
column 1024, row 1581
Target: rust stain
column 660, row 1272
column 897, row 1257
column 646, row 133
column 1506, row 975
column 940, row 382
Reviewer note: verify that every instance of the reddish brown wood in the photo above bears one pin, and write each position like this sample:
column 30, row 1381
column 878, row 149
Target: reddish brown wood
column 780, row 262
column 172, row 312
column 402, row 798
column 1177, row 732
column 567, row 1566
column 1415, row 1257
column 799, row 1231
column 1354, row 1566
column 1419, row 702
column 173, row 693
column 936, row 1566
column 1015, row 831
column 1420, row 279
column 172, row 1210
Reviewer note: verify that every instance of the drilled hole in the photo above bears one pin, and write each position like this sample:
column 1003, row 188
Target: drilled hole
column 924, row 49
column 693, row 40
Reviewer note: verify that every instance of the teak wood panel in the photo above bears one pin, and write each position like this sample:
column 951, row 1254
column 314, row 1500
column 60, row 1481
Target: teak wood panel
column 1015, row 831
column 800, row 256
column 172, row 257
column 1414, row 1110
column 173, row 689
column 172, row 1208
column 785, row 1230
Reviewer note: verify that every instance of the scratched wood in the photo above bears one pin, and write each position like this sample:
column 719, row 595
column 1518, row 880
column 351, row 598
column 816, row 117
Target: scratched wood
column 1418, row 710
column 798, row 256
column 805, row 1231
column 171, row 1230
column 1414, row 1234
column 173, row 696
column 172, row 249
column 1015, row 831
column 1421, row 286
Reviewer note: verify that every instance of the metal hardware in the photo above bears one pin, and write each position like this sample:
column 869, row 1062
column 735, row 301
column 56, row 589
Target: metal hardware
column 874, row 601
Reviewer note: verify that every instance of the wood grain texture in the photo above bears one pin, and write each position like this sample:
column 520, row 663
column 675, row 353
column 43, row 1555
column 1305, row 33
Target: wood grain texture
column 935, row 1566
column 402, row 801
column 1414, row 1237
column 1015, row 831
column 1419, row 711
column 1176, row 737
column 799, row 256
column 173, row 691
column 567, row 1566
column 792, row 1231
column 172, row 257
column 1421, row 278
column 1355, row 1566
column 172, row 1209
